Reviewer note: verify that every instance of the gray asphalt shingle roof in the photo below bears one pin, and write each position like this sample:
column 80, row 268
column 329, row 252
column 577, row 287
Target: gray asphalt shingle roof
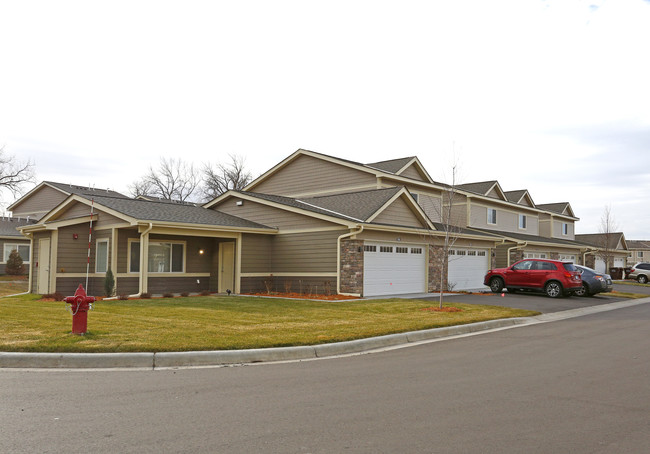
column 481, row 187
column 532, row 238
column 85, row 191
column 391, row 165
column 165, row 211
column 356, row 206
column 554, row 207
column 8, row 226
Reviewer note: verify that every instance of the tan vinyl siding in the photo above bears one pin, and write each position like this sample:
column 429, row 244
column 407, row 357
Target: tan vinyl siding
column 458, row 214
column 312, row 252
column 76, row 210
column 545, row 223
column 494, row 193
column 269, row 216
column 256, row 253
column 72, row 254
column 123, row 248
column 412, row 172
column 431, row 206
column 306, row 175
column 557, row 230
column 398, row 213
column 507, row 219
column 371, row 235
column 39, row 203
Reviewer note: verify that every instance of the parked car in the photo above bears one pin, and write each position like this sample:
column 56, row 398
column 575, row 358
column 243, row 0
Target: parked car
column 640, row 272
column 593, row 282
column 553, row 277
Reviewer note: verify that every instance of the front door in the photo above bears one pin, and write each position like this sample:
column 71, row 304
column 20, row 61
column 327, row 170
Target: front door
column 44, row 266
column 226, row 267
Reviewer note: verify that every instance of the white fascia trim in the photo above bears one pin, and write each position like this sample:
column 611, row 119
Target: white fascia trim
column 331, row 211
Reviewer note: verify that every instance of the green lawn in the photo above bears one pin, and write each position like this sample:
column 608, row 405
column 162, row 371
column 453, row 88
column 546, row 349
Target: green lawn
column 220, row 323
column 11, row 285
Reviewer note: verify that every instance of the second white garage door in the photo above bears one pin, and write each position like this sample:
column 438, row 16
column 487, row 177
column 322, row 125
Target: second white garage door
column 393, row 268
column 467, row 268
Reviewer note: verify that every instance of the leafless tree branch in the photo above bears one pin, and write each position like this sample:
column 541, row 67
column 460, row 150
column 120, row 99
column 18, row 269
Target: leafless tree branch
column 13, row 173
column 224, row 177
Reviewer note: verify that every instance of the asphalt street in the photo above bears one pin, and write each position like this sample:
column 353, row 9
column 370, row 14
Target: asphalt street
column 579, row 385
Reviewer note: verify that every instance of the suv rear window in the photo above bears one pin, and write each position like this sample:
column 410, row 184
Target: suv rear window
column 569, row 267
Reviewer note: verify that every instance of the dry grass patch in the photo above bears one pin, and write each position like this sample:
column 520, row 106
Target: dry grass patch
column 220, row 323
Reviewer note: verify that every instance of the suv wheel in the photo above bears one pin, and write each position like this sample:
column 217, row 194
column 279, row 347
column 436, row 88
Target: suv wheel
column 496, row 284
column 642, row 279
column 553, row 289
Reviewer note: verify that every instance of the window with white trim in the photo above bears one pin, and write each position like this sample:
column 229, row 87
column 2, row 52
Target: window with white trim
column 401, row 250
column 481, row 253
column 386, row 249
column 534, row 255
column 565, row 228
column 101, row 256
column 416, row 250
column 522, row 221
column 164, row 257
column 23, row 251
column 492, row 216
column 369, row 248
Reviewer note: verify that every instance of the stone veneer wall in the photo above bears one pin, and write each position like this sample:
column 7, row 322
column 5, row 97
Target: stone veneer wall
column 436, row 256
column 516, row 255
column 352, row 266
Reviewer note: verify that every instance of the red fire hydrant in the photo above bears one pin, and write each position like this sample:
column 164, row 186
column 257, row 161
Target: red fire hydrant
column 80, row 303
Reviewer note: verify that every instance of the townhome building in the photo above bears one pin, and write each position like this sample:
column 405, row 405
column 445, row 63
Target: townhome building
column 638, row 251
column 312, row 223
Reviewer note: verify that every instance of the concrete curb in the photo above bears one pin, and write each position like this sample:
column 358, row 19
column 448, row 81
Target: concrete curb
column 76, row 360
column 230, row 357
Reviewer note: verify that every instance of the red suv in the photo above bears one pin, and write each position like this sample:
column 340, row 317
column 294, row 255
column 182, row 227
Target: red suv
column 553, row 277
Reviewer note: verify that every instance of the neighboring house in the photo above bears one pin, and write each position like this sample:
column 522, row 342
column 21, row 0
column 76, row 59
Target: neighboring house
column 313, row 223
column 606, row 250
column 638, row 251
column 11, row 239
column 528, row 230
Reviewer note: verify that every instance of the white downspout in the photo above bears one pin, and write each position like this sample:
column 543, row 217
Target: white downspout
column 515, row 247
column 338, row 256
column 143, row 259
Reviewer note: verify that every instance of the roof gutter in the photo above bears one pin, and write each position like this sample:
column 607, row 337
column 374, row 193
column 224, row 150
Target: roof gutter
column 338, row 258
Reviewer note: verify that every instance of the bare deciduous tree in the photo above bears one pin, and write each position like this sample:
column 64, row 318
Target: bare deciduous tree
column 224, row 177
column 174, row 179
column 447, row 234
column 607, row 246
column 14, row 173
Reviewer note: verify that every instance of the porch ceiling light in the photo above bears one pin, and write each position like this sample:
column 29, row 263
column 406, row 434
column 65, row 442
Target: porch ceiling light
column 201, row 251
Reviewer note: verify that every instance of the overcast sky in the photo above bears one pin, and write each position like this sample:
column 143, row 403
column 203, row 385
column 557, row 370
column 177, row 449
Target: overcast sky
column 550, row 96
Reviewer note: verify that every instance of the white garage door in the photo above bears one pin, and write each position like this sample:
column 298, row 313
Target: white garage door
column 467, row 268
column 600, row 266
column 393, row 268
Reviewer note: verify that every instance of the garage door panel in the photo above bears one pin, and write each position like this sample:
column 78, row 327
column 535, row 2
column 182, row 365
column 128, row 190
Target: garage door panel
column 467, row 267
column 393, row 269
